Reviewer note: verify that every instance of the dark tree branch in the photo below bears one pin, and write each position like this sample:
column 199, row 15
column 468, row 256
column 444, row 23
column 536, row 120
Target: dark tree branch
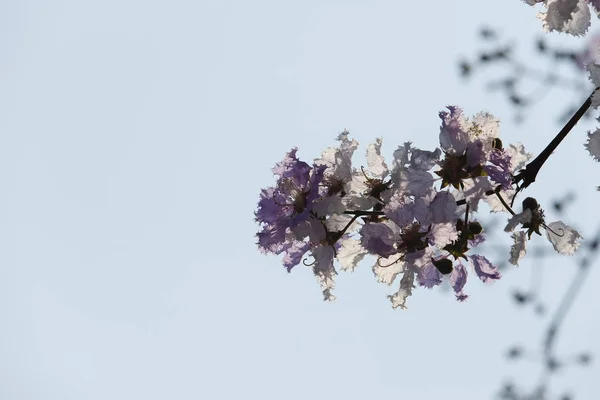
column 527, row 176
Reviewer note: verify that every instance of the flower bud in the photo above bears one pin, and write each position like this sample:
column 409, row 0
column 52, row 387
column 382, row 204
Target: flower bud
column 530, row 204
column 444, row 265
column 497, row 144
column 475, row 228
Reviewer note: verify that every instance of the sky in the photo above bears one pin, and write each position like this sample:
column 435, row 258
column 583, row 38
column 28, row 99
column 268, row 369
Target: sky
column 134, row 139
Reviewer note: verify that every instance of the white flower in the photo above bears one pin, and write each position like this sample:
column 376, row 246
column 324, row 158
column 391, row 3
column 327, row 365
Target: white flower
column 564, row 239
column 568, row 16
column 518, row 219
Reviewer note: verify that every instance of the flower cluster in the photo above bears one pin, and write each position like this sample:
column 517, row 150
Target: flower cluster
column 416, row 214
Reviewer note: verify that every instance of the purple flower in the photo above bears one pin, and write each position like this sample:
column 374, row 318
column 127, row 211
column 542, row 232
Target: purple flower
column 292, row 167
column 289, row 203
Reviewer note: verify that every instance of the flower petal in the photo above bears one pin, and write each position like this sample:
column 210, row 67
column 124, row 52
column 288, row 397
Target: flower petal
column 484, row 269
column 350, row 253
column 458, row 279
column 398, row 299
column 569, row 240
column 519, row 247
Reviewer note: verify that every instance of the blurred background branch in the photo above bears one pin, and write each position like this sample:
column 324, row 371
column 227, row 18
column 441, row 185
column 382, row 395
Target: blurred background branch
column 524, row 83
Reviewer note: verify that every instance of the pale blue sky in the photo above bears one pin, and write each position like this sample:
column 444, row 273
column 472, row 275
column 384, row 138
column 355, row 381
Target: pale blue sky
column 134, row 139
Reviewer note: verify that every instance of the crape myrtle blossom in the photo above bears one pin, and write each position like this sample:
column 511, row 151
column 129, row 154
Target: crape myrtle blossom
column 412, row 224
column 416, row 213
column 593, row 142
column 568, row 16
column 338, row 175
column 288, row 204
column 422, row 235
column 475, row 160
column 370, row 187
column 564, row 239
column 289, row 224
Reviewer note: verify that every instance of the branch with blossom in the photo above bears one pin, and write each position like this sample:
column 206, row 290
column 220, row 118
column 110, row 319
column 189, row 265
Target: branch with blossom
column 417, row 216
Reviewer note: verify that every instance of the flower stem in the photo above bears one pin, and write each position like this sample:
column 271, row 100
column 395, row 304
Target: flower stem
column 348, row 225
column 527, row 176
column 508, row 208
